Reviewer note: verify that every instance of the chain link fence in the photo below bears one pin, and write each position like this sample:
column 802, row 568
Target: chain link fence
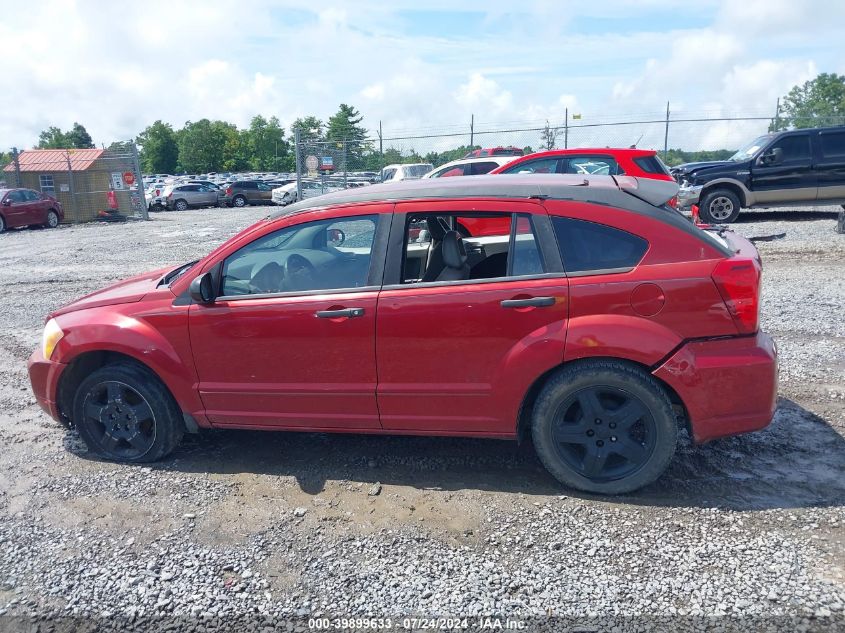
column 677, row 138
column 91, row 184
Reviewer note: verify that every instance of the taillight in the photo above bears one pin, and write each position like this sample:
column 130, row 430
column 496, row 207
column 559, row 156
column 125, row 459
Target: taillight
column 673, row 202
column 738, row 281
column 228, row 191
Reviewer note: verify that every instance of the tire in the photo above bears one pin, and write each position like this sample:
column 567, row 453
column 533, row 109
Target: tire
column 157, row 207
column 124, row 413
column 180, row 205
column 588, row 414
column 720, row 206
column 2, row 224
column 239, row 202
column 52, row 219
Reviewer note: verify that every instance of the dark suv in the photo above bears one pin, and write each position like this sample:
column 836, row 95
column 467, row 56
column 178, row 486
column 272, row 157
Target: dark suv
column 243, row 192
column 799, row 167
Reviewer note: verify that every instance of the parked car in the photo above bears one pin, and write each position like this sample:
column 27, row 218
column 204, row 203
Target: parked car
column 469, row 167
column 244, row 192
column 605, row 161
column 155, row 198
column 799, row 167
column 26, row 207
column 181, row 197
column 410, row 171
column 494, row 151
column 207, row 183
column 600, row 325
column 286, row 194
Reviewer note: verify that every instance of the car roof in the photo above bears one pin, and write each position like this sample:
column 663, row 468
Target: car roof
column 604, row 151
column 601, row 189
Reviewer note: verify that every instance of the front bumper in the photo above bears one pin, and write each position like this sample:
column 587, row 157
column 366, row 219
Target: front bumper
column 44, row 377
column 689, row 195
column 728, row 386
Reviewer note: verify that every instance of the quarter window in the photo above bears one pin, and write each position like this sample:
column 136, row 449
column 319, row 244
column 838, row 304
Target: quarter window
column 46, row 182
column 592, row 247
column 592, row 166
column 328, row 254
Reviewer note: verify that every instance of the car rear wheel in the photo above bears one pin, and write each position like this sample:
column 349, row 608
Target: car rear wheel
column 239, row 201
column 719, row 207
column 604, row 426
column 52, row 219
column 124, row 413
column 180, row 205
column 2, row 224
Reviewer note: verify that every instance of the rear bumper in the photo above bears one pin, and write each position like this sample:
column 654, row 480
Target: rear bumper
column 44, row 377
column 728, row 386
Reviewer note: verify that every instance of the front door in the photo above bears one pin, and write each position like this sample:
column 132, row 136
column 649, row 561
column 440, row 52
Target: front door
column 17, row 208
column 792, row 178
column 459, row 341
column 290, row 341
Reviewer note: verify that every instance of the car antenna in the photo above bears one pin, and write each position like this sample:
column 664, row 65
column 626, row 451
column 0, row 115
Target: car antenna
column 634, row 146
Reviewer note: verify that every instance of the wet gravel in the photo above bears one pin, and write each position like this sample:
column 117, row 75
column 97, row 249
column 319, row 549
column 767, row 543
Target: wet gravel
column 257, row 531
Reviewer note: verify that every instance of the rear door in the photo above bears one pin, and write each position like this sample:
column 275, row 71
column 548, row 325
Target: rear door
column 830, row 165
column 457, row 357
column 792, row 179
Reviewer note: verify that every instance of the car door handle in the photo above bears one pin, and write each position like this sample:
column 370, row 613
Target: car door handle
column 533, row 302
column 337, row 314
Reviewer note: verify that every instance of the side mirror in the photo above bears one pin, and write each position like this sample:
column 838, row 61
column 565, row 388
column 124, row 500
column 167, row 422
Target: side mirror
column 202, row 289
column 7, row 203
column 771, row 157
column 335, row 237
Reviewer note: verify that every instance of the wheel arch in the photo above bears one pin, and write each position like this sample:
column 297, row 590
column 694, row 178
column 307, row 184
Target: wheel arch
column 526, row 408
column 731, row 185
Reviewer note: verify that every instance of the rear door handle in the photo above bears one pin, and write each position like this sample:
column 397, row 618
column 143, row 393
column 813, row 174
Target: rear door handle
column 337, row 314
column 533, row 302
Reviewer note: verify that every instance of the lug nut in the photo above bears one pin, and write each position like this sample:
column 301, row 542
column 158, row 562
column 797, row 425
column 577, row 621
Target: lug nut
column 590, row 433
column 598, row 421
column 612, row 425
column 612, row 438
column 599, row 443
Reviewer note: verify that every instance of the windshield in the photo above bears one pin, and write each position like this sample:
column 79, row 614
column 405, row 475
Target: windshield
column 747, row 151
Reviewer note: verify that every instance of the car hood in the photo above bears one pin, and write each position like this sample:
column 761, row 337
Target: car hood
column 688, row 168
column 126, row 291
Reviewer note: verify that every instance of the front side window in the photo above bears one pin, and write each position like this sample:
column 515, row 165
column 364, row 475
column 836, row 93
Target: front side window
column 447, row 172
column 539, row 166
column 329, row 254
column 589, row 247
column 796, row 147
column 46, row 182
column 30, row 196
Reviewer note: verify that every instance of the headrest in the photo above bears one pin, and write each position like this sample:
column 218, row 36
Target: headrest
column 454, row 252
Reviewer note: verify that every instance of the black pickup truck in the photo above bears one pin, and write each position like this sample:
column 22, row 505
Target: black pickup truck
column 795, row 168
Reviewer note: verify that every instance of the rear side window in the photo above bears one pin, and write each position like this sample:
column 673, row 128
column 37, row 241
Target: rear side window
column 485, row 167
column 833, row 144
column 651, row 165
column 592, row 166
column 591, row 247
column 539, row 166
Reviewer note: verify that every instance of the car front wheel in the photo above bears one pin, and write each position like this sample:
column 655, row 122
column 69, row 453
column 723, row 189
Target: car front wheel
column 720, row 206
column 604, row 426
column 52, row 219
column 124, row 413
column 2, row 224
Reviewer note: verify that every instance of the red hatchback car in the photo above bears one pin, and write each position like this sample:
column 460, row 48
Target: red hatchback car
column 26, row 207
column 600, row 324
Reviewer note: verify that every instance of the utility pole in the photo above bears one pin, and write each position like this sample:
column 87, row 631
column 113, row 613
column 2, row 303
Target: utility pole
column 17, row 162
column 296, row 134
column 777, row 115
column 666, row 132
column 566, row 130
column 380, row 144
column 472, row 130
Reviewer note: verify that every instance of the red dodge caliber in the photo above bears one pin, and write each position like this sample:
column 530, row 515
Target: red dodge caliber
column 600, row 323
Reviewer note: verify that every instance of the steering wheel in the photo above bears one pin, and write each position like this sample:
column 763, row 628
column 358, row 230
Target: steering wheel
column 299, row 272
column 269, row 279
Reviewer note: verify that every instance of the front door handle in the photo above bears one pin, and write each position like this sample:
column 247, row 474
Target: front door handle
column 337, row 314
column 533, row 302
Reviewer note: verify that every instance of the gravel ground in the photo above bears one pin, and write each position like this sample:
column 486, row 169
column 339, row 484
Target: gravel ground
column 253, row 531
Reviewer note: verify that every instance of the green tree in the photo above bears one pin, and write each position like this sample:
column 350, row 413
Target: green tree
column 311, row 129
column 52, row 138
column 201, row 145
column 819, row 102
column 159, row 149
column 344, row 126
column 78, row 137
column 548, row 136
column 267, row 143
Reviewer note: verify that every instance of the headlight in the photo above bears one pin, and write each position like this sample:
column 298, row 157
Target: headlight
column 51, row 337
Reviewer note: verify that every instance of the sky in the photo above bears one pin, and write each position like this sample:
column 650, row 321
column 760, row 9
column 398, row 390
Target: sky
column 419, row 67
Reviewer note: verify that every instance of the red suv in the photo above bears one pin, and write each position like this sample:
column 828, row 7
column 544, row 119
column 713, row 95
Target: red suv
column 26, row 207
column 600, row 325
column 606, row 161
column 494, row 151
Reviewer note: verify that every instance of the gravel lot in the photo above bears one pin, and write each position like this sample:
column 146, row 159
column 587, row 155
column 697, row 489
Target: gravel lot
column 249, row 530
